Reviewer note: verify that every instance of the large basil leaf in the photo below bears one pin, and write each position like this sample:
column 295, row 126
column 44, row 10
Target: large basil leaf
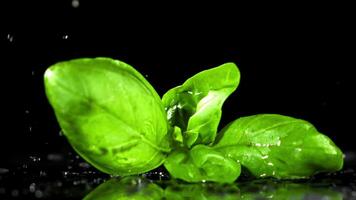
column 202, row 163
column 126, row 188
column 195, row 106
column 110, row 114
column 271, row 145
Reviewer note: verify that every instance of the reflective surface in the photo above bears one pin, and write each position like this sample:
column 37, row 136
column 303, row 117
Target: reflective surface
column 58, row 176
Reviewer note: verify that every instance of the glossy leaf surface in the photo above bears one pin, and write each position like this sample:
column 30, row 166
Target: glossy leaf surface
column 110, row 114
column 202, row 163
column 195, row 106
column 271, row 145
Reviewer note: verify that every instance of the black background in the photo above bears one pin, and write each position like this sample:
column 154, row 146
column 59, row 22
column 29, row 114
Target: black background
column 294, row 60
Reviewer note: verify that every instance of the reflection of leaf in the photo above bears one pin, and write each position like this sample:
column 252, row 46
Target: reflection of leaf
column 202, row 192
column 126, row 188
column 140, row 188
column 195, row 106
column 285, row 190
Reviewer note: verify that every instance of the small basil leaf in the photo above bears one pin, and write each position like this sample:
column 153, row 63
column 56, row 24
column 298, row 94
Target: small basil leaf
column 109, row 113
column 126, row 188
column 202, row 163
column 195, row 106
column 271, row 145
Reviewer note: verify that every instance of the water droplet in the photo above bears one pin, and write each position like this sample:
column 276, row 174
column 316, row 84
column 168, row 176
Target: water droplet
column 353, row 193
column 38, row 194
column 43, row 174
column 30, row 128
column 298, row 149
column 270, row 164
column 35, row 158
column 60, row 133
column 146, row 75
column 4, row 170
column 32, row 187
column 65, row 37
column 59, row 184
column 75, row 3
column 32, row 72
column 257, row 144
column 203, row 181
column 10, row 37
column 15, row 193
column 55, row 157
column 279, row 143
column 263, row 175
column 273, row 173
column 264, row 157
column 84, row 165
column 27, row 111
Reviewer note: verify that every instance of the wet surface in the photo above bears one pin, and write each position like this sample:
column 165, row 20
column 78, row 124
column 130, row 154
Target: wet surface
column 60, row 176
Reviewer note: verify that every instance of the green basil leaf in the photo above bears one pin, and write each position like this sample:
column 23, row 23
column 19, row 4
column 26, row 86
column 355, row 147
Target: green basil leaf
column 126, row 188
column 195, row 106
column 271, row 145
column 202, row 163
column 110, row 114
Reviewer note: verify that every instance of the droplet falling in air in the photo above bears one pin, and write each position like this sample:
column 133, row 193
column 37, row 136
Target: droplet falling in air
column 65, row 37
column 15, row 193
column 35, row 158
column 75, row 3
column 38, row 194
column 32, row 187
column 4, row 170
column 10, row 38
column 55, row 157
column 84, row 165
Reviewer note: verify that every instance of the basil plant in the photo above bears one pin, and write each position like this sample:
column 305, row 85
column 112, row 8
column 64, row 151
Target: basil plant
column 117, row 122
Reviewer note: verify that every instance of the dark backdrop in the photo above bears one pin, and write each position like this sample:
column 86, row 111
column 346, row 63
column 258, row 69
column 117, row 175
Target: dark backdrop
column 292, row 62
